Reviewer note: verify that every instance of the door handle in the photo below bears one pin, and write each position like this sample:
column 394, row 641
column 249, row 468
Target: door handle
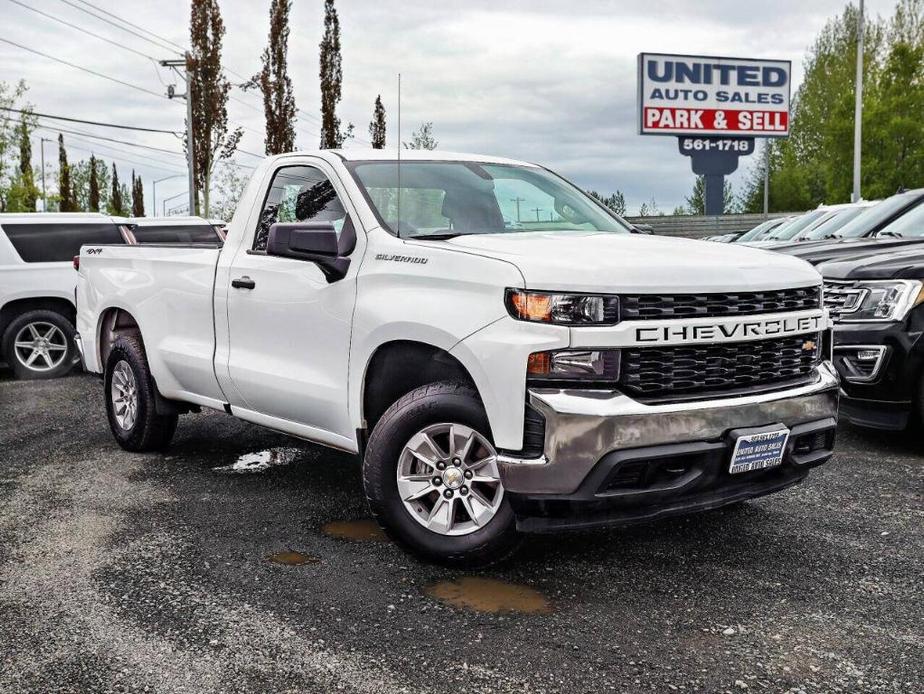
column 243, row 283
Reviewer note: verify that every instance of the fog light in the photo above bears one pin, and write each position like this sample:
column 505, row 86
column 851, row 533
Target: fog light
column 574, row 365
column 868, row 354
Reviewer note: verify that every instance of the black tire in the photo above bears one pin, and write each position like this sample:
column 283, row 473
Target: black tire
column 40, row 317
column 149, row 431
column 444, row 402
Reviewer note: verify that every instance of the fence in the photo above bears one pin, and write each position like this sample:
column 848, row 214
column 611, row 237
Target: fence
column 697, row 226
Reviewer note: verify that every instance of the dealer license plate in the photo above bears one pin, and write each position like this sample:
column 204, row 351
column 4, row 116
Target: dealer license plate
column 758, row 451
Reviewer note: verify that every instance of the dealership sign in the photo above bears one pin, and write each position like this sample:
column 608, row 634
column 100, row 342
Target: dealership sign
column 701, row 95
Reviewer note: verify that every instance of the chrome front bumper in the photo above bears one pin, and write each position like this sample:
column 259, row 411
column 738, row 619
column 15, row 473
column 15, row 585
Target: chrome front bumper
column 581, row 426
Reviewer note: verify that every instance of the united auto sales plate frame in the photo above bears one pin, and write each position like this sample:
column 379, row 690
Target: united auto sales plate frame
column 759, row 451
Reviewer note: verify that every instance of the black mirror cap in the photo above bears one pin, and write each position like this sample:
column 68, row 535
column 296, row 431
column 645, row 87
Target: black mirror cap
column 315, row 242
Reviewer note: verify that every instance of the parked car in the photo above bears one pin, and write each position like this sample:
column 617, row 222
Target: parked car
column 877, row 228
column 762, row 229
column 835, row 220
column 37, row 283
column 497, row 379
column 786, row 231
column 877, row 304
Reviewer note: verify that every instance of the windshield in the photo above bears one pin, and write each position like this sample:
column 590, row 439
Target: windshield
column 441, row 198
column 873, row 217
column 828, row 226
column 794, row 227
column 909, row 225
column 760, row 230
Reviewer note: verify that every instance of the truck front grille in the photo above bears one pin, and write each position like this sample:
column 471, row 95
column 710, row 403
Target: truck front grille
column 843, row 297
column 665, row 372
column 660, row 306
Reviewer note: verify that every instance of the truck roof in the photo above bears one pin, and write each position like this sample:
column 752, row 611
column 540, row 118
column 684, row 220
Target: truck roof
column 369, row 154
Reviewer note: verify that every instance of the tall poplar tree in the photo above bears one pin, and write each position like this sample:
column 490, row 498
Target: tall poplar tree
column 65, row 194
column 137, row 196
column 331, row 74
column 116, row 202
column 377, row 126
column 28, row 193
column 209, row 89
column 94, row 185
column 274, row 83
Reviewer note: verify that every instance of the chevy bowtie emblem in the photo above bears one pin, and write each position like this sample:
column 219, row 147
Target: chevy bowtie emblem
column 809, row 346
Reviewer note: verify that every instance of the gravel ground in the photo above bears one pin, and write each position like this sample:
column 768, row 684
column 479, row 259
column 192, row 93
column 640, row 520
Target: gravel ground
column 122, row 572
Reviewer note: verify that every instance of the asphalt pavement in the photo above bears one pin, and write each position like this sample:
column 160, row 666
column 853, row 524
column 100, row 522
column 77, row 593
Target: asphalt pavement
column 243, row 561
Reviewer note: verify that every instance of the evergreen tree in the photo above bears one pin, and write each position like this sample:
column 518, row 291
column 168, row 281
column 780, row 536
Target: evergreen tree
column 94, row 186
column 137, row 196
column 274, row 83
column 696, row 201
column 116, row 201
column 23, row 192
column 65, row 194
column 616, row 201
column 377, row 126
column 212, row 140
column 422, row 138
column 331, row 73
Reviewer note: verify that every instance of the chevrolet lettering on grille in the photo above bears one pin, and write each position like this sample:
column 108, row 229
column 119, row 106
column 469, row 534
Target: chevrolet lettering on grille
column 751, row 329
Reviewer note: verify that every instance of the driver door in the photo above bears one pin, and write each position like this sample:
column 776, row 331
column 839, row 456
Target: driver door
column 289, row 328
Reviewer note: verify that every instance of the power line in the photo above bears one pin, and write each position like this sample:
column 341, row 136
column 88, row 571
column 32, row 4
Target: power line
column 117, row 26
column 84, row 69
column 121, row 142
column 85, row 31
column 118, row 157
column 92, row 122
column 125, row 21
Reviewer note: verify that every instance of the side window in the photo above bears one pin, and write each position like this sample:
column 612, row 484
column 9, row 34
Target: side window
column 59, row 241
column 299, row 194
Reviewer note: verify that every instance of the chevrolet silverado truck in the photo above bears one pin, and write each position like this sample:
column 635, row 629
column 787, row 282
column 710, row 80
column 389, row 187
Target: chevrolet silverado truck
column 504, row 354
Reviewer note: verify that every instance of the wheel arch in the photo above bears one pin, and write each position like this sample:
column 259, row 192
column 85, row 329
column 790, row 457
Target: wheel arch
column 16, row 307
column 113, row 322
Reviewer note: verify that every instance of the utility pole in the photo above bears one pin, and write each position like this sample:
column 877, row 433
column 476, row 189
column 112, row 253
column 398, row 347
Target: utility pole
column 190, row 149
column 518, row 200
column 858, row 110
column 537, row 210
column 766, row 176
column 44, row 192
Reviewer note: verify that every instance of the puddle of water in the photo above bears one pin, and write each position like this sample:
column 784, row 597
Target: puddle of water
column 490, row 595
column 292, row 558
column 359, row 530
column 251, row 463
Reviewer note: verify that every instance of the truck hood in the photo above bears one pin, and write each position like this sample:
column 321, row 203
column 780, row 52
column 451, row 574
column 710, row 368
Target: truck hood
column 611, row 262
column 900, row 264
column 817, row 252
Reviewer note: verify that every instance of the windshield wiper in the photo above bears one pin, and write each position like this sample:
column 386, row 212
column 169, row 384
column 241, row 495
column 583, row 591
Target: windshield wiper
column 435, row 237
column 893, row 234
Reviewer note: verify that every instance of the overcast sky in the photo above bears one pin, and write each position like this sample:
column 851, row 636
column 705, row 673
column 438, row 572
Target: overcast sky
column 551, row 81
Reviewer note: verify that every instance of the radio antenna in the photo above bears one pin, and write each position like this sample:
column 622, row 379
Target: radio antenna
column 399, row 156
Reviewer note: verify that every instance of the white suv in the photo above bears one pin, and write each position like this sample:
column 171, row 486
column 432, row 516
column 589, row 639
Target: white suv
column 37, row 282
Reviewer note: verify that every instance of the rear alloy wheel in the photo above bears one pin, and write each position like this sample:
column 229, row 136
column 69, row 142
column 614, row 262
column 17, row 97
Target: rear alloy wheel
column 39, row 344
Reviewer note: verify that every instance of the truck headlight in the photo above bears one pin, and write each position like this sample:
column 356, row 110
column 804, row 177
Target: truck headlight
column 884, row 301
column 563, row 309
column 585, row 365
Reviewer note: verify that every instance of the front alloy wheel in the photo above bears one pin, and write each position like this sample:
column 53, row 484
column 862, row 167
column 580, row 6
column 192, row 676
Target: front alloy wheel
column 448, row 479
column 40, row 346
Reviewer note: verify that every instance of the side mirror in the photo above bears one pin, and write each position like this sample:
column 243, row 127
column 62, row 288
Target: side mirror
column 315, row 242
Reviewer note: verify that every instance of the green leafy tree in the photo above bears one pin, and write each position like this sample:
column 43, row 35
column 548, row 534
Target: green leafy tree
column 16, row 192
column 615, row 201
column 274, row 83
column 93, row 202
column 137, row 196
column 213, row 141
column 230, row 183
column 377, row 126
column 331, row 74
column 650, row 209
column 422, row 138
column 66, row 202
column 80, row 173
column 23, row 192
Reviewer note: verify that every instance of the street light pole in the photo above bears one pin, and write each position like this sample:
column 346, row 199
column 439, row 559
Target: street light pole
column 154, row 190
column 858, row 110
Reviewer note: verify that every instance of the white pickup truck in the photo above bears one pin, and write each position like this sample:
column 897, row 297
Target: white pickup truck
column 505, row 355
